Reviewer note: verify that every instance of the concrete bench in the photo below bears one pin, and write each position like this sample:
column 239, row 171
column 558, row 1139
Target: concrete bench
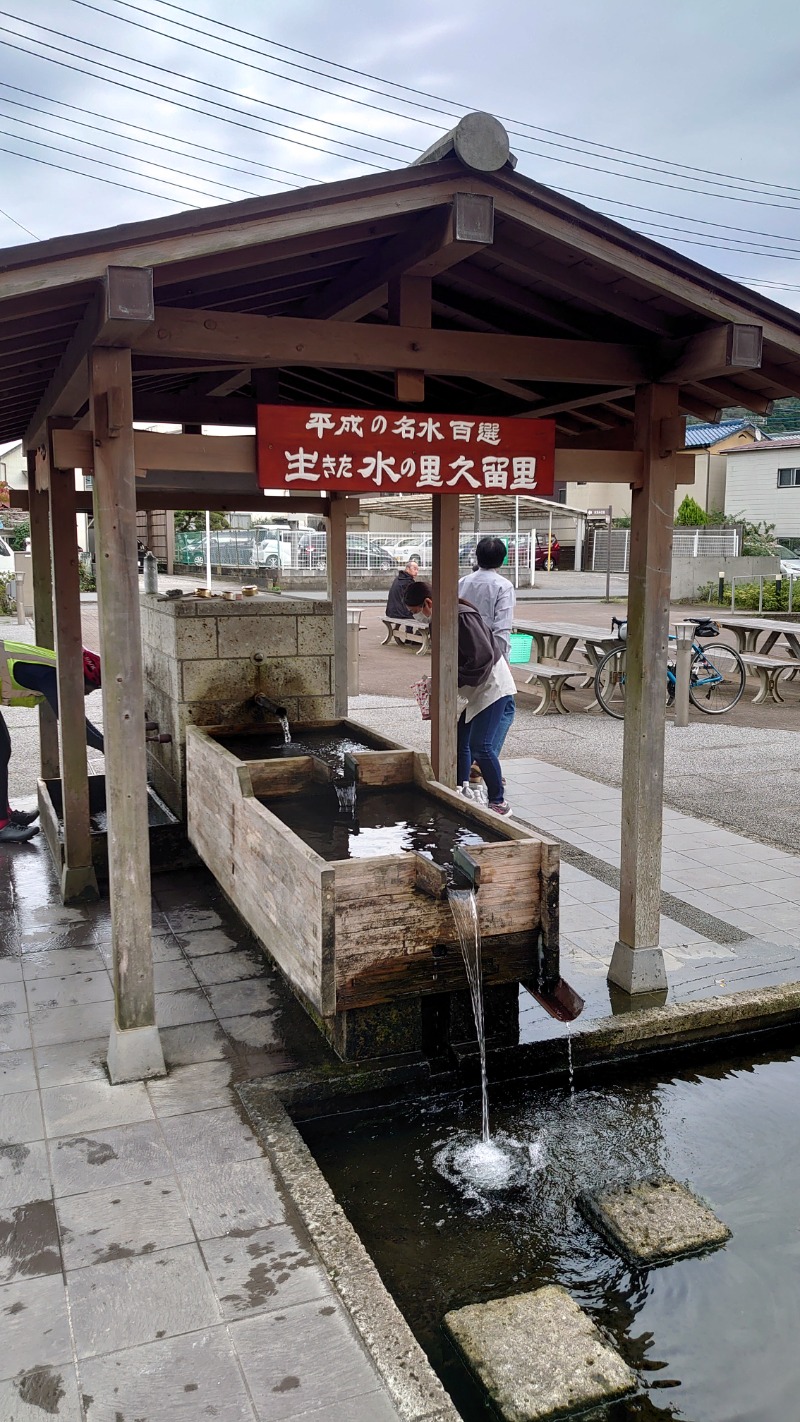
column 420, row 632
column 769, row 671
column 551, row 677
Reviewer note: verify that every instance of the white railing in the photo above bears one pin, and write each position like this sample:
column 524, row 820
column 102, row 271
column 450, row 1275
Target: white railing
column 706, row 542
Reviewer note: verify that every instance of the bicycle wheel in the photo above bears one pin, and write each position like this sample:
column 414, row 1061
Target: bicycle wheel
column 716, row 679
column 609, row 683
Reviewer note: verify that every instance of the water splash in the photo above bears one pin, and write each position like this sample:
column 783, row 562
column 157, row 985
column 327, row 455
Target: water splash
column 287, row 735
column 482, row 1170
column 464, row 909
column 346, row 795
column 570, row 1065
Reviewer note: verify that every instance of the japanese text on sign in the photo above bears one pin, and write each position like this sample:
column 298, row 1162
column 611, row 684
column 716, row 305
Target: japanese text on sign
column 391, row 452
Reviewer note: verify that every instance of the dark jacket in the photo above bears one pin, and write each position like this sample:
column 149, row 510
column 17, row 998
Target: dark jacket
column 478, row 650
column 395, row 606
column 45, row 681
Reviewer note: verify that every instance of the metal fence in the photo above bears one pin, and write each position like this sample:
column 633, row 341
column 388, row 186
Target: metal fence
column 686, row 543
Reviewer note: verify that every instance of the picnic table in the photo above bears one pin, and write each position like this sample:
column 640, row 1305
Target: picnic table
column 747, row 631
column 548, row 635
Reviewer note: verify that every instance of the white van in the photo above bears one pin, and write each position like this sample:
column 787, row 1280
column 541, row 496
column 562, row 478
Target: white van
column 273, row 547
column 6, row 557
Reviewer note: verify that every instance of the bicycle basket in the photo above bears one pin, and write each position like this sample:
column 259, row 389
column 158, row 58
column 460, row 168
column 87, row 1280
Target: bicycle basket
column 521, row 648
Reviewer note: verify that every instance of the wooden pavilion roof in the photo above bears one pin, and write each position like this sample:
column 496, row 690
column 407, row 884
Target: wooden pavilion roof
column 553, row 269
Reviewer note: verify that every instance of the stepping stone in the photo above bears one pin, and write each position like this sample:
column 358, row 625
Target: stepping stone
column 538, row 1355
column 653, row 1221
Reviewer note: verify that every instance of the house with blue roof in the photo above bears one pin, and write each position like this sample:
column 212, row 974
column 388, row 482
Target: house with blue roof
column 707, row 445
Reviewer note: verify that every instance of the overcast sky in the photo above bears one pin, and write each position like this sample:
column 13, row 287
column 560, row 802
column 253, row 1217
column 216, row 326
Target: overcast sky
column 677, row 87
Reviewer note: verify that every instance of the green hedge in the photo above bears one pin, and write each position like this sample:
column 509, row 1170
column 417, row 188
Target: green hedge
column 747, row 596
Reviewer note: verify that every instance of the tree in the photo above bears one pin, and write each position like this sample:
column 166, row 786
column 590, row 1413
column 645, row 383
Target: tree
column 18, row 535
column 690, row 514
column 194, row 520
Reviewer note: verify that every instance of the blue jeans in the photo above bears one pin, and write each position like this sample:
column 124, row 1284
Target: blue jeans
column 505, row 725
column 477, row 742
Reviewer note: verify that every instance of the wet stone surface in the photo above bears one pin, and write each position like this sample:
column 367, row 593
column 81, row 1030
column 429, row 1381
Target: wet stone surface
column 652, row 1221
column 538, row 1355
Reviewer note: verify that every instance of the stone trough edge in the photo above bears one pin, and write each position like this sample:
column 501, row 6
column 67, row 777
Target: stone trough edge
column 412, row 1383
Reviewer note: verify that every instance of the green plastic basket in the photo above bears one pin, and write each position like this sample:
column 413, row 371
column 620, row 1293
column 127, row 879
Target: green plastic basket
column 521, row 647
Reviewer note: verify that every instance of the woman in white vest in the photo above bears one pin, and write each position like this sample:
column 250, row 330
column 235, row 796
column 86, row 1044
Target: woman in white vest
column 27, row 678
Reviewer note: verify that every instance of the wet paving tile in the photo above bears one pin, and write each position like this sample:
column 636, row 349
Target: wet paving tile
column 287, row 1379
column 188, row 921
column 196, row 1042
column 12, row 999
column 190, row 1377
column 216, row 968
column 34, row 1324
column 105, row 1158
column 17, row 1071
column 166, row 948
column 24, row 1173
column 232, row 1198
column 262, row 1030
column 122, row 1221
column 94, row 1106
column 173, row 974
column 29, row 1244
column 65, row 1062
column 60, row 962
column 62, row 938
column 176, row 1009
column 263, row 1269
column 21, row 1117
column 10, row 970
column 139, row 1300
column 73, row 990
column 51, row 1025
column 208, row 1139
column 256, row 994
column 204, row 1086
column 38, row 1393
column 15, row 1032
column 199, row 942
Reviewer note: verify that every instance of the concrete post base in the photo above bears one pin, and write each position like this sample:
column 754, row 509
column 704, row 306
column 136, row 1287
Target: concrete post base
column 135, row 1054
column 637, row 970
column 79, row 886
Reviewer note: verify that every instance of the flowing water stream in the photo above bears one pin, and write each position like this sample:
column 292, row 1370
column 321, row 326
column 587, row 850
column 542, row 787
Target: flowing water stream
column 287, row 735
column 464, row 909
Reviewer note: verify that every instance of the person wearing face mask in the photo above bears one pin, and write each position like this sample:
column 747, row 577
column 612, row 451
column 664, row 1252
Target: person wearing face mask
column 484, row 682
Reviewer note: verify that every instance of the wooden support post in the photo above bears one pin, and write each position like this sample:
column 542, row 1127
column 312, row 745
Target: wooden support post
column 444, row 668
column 337, row 594
column 39, row 509
column 410, row 305
column 78, row 880
column 637, row 964
column 134, row 1050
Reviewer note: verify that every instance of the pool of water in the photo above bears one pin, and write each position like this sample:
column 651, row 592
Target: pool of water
column 327, row 744
column 385, row 822
column 712, row 1338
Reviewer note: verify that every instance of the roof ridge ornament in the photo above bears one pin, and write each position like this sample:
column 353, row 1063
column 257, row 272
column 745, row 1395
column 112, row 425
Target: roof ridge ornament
column 478, row 140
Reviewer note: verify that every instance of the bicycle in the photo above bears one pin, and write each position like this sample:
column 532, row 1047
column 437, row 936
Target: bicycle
column 716, row 678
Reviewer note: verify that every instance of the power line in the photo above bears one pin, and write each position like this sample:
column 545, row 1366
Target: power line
column 111, row 182
column 537, row 129
column 190, row 108
column 151, row 132
column 679, row 216
column 20, row 225
column 206, row 83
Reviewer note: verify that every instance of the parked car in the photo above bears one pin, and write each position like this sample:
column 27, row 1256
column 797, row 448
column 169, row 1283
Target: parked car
column 466, row 552
column 790, row 560
column 273, row 548
column 416, row 546
column 6, row 557
column 364, row 552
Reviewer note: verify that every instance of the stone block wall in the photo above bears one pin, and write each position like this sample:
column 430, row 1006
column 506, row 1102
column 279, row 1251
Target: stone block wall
column 200, row 669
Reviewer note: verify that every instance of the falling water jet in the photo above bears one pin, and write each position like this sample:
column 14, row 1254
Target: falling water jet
column 346, row 795
column 463, row 906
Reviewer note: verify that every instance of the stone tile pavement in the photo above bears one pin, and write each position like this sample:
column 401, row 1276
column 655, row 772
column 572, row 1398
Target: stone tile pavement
column 150, row 1267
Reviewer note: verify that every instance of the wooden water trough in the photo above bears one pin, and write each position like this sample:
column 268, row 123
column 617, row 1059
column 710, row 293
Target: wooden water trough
column 355, row 934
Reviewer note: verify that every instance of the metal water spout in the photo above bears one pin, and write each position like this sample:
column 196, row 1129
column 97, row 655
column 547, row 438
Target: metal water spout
column 559, row 999
column 268, row 707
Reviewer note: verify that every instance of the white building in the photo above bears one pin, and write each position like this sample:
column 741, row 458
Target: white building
column 763, row 484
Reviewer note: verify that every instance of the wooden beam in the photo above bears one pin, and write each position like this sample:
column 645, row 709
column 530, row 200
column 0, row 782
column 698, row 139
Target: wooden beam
column 579, row 280
column 444, row 658
column 78, row 880
column 579, row 402
column 472, row 279
column 637, row 963
column 167, row 497
column 192, row 453
column 693, row 404
column 134, row 1048
column 122, row 307
column 738, row 395
column 151, row 407
column 39, row 507
column 439, row 239
column 287, row 340
column 718, row 351
column 593, row 466
column 410, row 305
column 783, row 376
column 337, row 595
column 620, row 438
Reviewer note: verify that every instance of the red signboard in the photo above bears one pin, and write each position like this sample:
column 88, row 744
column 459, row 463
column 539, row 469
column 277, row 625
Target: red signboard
column 397, row 452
